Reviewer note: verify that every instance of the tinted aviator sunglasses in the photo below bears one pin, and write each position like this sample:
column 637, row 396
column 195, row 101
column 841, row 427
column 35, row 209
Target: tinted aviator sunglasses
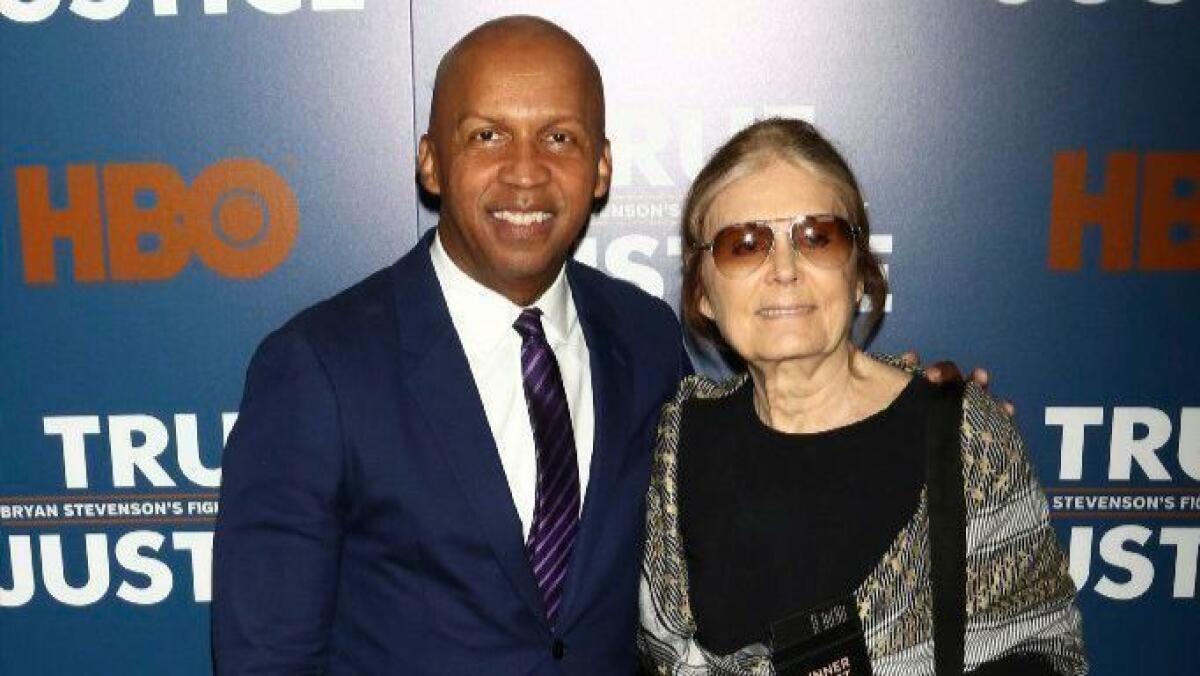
column 824, row 240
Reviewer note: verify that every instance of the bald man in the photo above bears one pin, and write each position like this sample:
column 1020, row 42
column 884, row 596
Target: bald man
column 442, row 469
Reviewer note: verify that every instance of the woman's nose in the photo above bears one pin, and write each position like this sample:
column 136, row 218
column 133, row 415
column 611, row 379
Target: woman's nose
column 783, row 259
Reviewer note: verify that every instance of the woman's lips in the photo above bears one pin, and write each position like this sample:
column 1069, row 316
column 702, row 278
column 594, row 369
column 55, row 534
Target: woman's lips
column 785, row 311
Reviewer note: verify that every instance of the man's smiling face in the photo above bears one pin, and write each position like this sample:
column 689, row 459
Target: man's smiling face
column 516, row 151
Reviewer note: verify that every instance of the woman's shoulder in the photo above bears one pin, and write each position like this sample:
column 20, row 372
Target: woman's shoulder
column 886, row 378
column 995, row 461
column 985, row 421
column 702, row 388
column 693, row 390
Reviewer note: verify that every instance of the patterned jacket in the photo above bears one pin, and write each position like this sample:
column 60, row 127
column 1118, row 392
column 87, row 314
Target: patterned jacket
column 1020, row 598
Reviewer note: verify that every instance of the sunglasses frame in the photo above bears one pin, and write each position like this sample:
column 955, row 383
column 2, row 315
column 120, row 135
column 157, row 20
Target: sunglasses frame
column 794, row 221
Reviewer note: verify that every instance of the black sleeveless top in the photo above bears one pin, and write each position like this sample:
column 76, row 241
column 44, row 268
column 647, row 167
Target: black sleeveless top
column 776, row 523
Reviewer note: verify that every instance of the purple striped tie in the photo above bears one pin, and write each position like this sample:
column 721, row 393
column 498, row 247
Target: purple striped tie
column 556, row 509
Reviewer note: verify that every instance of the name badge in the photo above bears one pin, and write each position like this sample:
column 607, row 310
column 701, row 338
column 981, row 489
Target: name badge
column 823, row 641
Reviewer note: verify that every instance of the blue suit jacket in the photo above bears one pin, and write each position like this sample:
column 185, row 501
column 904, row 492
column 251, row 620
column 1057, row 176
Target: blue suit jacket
column 366, row 525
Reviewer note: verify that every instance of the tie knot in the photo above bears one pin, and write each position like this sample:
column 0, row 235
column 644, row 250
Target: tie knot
column 529, row 324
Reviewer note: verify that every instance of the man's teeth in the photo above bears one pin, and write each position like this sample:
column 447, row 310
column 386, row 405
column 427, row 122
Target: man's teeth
column 522, row 217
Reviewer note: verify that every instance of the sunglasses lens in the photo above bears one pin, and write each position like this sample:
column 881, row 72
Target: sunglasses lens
column 739, row 249
column 825, row 241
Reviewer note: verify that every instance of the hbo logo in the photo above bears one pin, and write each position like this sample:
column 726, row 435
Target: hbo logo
column 238, row 216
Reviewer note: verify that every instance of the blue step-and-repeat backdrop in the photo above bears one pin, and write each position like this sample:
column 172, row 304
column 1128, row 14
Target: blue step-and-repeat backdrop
column 177, row 177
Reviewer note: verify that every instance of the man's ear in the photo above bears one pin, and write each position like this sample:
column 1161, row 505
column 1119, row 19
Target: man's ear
column 427, row 168
column 603, row 171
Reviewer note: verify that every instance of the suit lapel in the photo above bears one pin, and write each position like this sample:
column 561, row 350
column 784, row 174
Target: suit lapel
column 440, row 381
column 608, row 359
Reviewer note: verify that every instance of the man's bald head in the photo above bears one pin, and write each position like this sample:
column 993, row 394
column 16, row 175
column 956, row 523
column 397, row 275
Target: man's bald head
column 516, row 153
column 506, row 35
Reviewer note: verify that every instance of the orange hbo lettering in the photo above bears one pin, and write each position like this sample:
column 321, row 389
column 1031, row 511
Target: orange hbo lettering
column 239, row 217
column 1168, row 237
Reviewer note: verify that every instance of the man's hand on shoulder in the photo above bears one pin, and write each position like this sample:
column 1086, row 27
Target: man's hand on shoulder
column 948, row 372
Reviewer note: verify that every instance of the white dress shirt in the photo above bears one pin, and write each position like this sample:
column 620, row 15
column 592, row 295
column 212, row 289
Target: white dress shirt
column 484, row 322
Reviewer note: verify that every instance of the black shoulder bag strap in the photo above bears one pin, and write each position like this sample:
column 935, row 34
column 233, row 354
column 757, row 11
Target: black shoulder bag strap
column 947, row 528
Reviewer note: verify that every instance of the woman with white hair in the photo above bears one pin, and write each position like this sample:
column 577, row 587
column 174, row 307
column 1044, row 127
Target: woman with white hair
column 825, row 512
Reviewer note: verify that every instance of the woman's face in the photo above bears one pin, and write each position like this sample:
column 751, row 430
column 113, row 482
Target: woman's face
column 787, row 308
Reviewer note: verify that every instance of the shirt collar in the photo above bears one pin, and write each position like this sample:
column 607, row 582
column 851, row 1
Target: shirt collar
column 483, row 317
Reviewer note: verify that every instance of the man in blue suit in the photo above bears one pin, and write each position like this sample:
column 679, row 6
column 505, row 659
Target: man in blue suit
column 383, row 489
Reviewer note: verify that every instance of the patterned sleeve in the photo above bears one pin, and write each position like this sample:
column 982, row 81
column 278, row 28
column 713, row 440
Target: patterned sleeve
column 1020, row 598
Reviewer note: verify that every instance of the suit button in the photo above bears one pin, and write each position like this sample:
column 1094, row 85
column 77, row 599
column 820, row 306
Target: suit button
column 557, row 649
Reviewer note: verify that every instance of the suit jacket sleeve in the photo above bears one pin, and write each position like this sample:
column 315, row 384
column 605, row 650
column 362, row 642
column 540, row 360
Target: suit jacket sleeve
column 278, row 533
